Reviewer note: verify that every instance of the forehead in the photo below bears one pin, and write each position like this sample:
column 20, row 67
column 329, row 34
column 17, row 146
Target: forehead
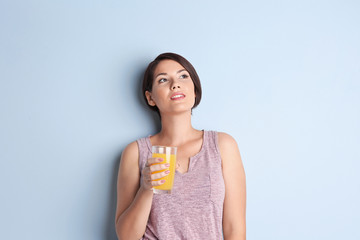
column 167, row 66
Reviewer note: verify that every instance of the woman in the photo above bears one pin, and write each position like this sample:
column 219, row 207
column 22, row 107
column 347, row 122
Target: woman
column 208, row 200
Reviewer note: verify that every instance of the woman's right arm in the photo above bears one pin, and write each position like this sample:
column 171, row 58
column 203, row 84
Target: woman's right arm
column 133, row 203
column 134, row 198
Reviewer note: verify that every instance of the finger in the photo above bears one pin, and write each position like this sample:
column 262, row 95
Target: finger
column 159, row 167
column 155, row 176
column 147, row 185
column 147, row 181
column 145, row 171
column 159, row 182
column 151, row 161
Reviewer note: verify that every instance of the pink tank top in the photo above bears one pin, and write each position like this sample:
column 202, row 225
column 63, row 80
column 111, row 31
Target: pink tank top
column 194, row 208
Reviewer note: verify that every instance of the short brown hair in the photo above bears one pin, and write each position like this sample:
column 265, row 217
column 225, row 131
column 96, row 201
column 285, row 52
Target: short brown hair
column 149, row 76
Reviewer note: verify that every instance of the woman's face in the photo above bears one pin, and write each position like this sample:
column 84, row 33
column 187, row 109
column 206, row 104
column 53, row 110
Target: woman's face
column 173, row 89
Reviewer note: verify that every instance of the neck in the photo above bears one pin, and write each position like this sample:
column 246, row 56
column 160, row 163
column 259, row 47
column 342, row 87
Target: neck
column 176, row 129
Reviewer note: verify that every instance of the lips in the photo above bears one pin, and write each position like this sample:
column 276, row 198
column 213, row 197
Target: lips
column 177, row 96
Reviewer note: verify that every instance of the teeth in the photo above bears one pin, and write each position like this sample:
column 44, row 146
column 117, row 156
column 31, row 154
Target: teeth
column 177, row 96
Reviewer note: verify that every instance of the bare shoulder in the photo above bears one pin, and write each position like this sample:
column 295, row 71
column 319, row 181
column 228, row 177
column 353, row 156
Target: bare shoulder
column 225, row 138
column 129, row 162
column 130, row 152
column 226, row 142
column 228, row 148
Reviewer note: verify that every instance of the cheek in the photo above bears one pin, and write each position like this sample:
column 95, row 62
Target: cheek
column 193, row 89
column 158, row 94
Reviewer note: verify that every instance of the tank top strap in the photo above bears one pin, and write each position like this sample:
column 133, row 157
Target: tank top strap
column 212, row 141
column 143, row 152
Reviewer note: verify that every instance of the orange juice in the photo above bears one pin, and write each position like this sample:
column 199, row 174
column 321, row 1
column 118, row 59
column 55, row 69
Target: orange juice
column 169, row 179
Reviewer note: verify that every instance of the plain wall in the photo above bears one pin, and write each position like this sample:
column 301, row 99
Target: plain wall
column 281, row 77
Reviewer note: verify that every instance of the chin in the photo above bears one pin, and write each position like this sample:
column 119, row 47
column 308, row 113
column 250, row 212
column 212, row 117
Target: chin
column 177, row 111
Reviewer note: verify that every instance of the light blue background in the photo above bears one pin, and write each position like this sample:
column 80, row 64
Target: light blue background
column 282, row 77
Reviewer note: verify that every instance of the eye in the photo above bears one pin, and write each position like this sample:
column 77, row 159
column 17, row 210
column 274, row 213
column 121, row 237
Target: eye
column 184, row 76
column 161, row 80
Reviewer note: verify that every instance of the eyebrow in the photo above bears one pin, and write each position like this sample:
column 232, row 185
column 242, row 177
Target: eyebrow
column 166, row 73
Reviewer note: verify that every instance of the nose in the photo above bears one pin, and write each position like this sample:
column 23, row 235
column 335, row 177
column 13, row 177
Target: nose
column 175, row 85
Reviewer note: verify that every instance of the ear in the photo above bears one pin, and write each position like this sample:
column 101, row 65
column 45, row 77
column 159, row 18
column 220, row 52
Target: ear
column 150, row 101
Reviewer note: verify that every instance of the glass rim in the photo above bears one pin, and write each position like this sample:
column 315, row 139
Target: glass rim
column 160, row 146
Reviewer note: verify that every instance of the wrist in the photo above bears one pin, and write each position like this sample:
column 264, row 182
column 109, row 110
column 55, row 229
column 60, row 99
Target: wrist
column 146, row 190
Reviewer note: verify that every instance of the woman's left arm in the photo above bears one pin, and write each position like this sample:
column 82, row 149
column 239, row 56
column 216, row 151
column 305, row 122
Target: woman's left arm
column 234, row 213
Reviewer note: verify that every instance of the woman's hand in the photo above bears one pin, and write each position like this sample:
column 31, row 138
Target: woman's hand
column 151, row 175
